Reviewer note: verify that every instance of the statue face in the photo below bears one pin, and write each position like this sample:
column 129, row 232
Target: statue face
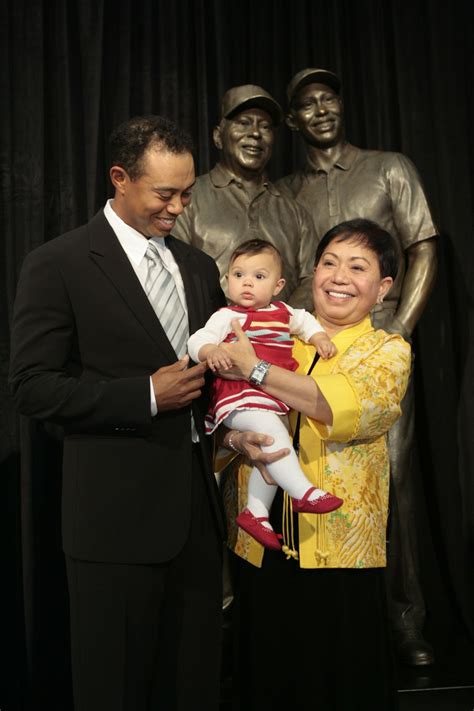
column 246, row 141
column 317, row 113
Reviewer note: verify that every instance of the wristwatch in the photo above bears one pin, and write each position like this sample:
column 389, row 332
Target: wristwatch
column 259, row 372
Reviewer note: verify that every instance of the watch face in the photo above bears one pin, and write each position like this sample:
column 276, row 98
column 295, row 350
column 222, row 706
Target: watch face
column 259, row 372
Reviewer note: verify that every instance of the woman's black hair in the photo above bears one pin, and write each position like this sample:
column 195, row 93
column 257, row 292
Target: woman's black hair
column 370, row 235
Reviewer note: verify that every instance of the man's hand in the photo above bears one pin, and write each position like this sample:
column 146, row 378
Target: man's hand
column 176, row 385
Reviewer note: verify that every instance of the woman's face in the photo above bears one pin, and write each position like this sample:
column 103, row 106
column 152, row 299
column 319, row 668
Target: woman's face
column 347, row 283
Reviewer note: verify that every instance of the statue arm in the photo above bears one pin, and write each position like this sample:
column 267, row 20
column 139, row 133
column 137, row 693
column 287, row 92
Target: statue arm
column 302, row 296
column 414, row 223
column 417, row 286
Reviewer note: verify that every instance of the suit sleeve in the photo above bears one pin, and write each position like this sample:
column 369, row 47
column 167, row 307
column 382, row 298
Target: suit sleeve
column 46, row 370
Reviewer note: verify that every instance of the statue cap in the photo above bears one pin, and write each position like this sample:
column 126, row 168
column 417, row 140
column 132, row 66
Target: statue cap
column 310, row 76
column 249, row 96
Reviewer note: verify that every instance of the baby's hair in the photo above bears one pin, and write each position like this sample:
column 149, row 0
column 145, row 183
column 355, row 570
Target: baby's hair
column 256, row 246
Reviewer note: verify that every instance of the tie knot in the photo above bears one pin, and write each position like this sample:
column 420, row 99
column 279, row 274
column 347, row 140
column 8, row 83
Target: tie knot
column 152, row 253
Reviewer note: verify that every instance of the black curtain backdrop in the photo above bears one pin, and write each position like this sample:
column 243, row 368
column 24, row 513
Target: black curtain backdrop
column 70, row 70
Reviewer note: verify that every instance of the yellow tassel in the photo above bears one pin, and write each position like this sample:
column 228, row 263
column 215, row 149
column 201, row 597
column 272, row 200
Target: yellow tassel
column 290, row 553
column 321, row 557
column 287, row 527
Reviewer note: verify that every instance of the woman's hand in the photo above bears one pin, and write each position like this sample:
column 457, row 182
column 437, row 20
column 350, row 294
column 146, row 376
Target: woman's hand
column 250, row 445
column 241, row 353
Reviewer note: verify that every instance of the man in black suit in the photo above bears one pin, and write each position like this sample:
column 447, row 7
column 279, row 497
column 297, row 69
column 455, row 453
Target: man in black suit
column 142, row 521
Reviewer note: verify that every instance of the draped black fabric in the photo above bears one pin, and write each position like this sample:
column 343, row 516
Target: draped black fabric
column 70, row 71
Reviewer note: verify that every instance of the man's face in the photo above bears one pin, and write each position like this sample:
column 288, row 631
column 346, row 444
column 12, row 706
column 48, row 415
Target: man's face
column 246, row 141
column 317, row 114
column 151, row 203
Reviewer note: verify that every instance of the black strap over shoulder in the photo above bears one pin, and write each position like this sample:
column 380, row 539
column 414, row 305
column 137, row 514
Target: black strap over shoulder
column 296, row 435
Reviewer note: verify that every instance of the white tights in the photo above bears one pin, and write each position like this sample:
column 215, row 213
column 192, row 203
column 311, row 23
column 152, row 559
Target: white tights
column 286, row 472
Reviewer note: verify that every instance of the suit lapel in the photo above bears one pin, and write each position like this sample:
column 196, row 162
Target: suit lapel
column 106, row 252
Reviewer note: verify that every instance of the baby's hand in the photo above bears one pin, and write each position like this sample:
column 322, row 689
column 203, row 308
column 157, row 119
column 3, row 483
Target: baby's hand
column 324, row 345
column 218, row 359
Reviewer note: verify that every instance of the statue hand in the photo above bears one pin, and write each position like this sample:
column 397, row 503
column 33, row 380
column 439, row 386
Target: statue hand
column 396, row 326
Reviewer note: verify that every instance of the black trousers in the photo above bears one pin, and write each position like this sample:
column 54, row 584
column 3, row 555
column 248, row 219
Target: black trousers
column 148, row 637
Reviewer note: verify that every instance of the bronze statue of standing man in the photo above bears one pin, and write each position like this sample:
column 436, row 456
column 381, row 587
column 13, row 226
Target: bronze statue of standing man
column 235, row 201
column 338, row 183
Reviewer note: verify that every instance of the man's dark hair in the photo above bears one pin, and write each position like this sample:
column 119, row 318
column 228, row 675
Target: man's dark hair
column 256, row 246
column 370, row 235
column 130, row 140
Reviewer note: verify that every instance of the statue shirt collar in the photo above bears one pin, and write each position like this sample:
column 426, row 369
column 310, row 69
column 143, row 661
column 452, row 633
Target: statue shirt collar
column 222, row 177
column 344, row 161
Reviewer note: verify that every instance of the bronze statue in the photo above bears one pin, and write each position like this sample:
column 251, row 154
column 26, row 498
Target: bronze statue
column 340, row 182
column 236, row 201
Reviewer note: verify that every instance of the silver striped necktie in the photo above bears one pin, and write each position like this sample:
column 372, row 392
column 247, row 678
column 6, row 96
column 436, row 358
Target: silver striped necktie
column 160, row 287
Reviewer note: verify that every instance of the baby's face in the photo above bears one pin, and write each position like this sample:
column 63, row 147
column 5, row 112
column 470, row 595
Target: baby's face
column 254, row 279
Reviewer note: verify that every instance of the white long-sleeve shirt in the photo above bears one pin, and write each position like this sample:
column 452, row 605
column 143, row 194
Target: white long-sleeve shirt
column 302, row 324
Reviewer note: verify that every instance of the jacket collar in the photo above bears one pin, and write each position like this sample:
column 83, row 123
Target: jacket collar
column 106, row 251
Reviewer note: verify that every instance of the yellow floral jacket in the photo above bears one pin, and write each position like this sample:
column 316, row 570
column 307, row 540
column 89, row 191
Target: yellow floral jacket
column 364, row 385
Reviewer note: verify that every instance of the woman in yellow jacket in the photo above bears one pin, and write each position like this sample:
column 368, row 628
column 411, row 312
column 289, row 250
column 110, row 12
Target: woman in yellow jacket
column 311, row 621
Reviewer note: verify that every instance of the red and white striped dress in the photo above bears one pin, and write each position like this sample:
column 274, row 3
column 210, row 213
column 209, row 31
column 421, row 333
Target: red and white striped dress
column 269, row 333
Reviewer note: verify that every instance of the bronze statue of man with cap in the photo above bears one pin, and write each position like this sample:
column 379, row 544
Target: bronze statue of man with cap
column 340, row 182
column 235, row 201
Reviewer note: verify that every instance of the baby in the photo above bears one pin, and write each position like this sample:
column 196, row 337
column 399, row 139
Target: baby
column 254, row 277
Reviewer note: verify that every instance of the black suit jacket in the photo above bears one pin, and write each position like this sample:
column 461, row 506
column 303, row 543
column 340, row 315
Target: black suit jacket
column 85, row 342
